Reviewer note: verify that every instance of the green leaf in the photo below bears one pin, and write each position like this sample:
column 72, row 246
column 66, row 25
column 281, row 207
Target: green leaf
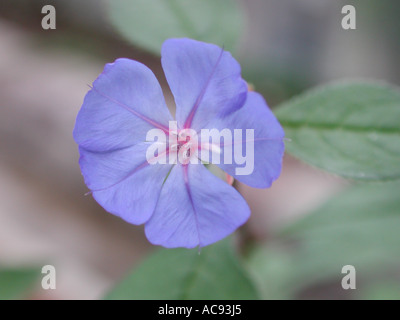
column 15, row 283
column 270, row 268
column 381, row 291
column 350, row 128
column 359, row 227
column 148, row 23
column 214, row 273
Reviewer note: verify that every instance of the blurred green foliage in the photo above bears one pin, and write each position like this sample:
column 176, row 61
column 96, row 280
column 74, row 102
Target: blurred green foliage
column 148, row 23
column 384, row 290
column 15, row 283
column 359, row 227
column 213, row 273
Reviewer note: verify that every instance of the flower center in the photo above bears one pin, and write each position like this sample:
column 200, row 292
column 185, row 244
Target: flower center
column 184, row 143
column 185, row 147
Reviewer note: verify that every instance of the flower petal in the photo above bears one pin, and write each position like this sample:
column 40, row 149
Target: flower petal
column 125, row 102
column 204, row 79
column 195, row 208
column 268, row 142
column 123, row 182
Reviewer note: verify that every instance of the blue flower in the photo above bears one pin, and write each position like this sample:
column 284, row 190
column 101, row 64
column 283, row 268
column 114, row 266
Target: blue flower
column 181, row 204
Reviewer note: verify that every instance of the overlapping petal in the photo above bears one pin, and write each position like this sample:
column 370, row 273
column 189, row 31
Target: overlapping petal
column 123, row 182
column 195, row 208
column 125, row 102
column 268, row 142
column 204, row 79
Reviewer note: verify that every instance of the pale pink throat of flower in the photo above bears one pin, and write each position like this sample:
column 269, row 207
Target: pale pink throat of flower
column 185, row 143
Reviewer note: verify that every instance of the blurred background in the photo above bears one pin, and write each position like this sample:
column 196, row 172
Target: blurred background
column 284, row 47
